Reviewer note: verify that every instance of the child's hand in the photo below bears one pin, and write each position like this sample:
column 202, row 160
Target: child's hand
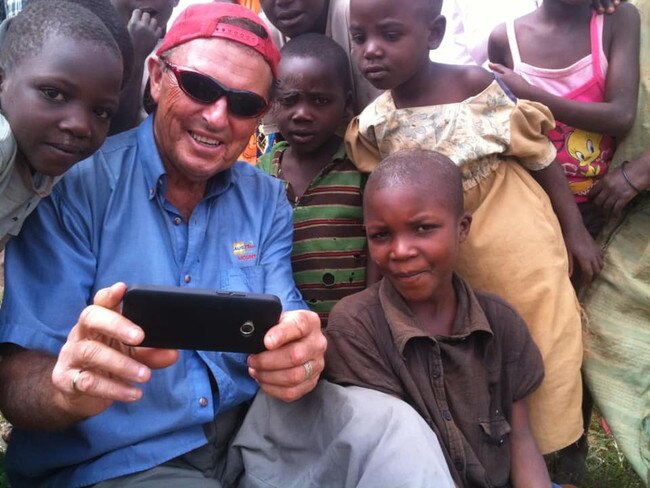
column 515, row 82
column 584, row 251
column 145, row 33
column 605, row 6
column 612, row 193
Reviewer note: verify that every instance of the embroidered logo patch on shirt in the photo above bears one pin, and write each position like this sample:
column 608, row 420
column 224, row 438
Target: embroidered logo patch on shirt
column 244, row 251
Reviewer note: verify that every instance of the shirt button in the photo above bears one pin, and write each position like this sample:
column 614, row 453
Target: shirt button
column 187, row 278
column 436, row 374
column 447, row 415
column 329, row 279
column 177, row 221
column 501, row 441
column 203, row 402
column 459, row 466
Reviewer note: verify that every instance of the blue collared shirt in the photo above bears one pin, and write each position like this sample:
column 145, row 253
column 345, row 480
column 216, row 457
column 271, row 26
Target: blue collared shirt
column 108, row 221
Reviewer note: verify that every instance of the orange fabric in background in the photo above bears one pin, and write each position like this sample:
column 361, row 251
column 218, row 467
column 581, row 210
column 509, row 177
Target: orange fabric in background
column 253, row 5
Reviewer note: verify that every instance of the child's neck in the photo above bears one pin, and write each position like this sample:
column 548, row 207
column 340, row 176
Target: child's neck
column 299, row 168
column 563, row 14
column 419, row 90
column 440, row 84
column 437, row 317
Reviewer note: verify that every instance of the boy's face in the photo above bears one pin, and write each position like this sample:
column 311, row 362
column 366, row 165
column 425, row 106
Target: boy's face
column 295, row 17
column 414, row 237
column 391, row 40
column 311, row 103
column 161, row 10
column 59, row 102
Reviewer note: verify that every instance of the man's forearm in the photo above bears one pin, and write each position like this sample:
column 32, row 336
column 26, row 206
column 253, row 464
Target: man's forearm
column 28, row 398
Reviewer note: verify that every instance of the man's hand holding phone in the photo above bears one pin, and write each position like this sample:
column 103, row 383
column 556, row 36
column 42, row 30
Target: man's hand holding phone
column 101, row 362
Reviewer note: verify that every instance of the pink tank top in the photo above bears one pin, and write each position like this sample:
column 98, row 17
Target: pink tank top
column 584, row 155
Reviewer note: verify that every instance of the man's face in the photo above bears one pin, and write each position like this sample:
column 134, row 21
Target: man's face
column 161, row 10
column 295, row 17
column 198, row 140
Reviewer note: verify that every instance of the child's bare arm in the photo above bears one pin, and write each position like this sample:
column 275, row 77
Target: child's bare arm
column 145, row 33
column 580, row 245
column 613, row 192
column 616, row 114
column 499, row 48
column 528, row 469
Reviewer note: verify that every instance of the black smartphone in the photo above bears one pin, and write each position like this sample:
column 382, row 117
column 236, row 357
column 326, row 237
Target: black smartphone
column 201, row 319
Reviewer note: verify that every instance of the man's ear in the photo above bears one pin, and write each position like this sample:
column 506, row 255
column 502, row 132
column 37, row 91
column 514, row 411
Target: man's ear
column 155, row 76
column 437, row 28
column 464, row 225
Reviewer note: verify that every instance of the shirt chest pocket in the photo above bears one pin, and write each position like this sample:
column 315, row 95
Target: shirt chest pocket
column 248, row 278
column 495, row 449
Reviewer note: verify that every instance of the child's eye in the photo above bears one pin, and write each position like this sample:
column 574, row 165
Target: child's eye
column 392, row 36
column 321, row 101
column 375, row 236
column 53, row 94
column 358, row 38
column 103, row 113
column 287, row 100
column 425, row 227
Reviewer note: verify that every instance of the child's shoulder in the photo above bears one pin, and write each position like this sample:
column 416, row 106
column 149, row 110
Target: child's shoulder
column 467, row 81
column 625, row 12
column 357, row 307
column 504, row 320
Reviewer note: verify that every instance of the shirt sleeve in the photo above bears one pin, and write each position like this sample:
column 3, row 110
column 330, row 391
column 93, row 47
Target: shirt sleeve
column 40, row 304
column 353, row 356
column 361, row 148
column 7, row 149
column 529, row 124
column 527, row 371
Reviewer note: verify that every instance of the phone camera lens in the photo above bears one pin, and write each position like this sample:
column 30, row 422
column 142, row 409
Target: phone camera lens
column 247, row 328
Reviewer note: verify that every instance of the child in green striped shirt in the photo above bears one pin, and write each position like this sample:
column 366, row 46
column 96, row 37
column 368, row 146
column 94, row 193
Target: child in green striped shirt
column 313, row 101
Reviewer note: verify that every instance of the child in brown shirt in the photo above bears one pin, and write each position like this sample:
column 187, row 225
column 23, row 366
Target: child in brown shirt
column 463, row 359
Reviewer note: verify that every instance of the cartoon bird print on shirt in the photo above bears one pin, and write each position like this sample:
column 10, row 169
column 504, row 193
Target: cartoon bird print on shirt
column 584, row 147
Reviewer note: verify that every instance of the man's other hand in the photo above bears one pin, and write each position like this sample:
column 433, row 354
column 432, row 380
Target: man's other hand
column 294, row 359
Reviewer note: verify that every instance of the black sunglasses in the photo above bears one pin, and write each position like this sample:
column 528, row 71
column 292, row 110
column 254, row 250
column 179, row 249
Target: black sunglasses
column 205, row 89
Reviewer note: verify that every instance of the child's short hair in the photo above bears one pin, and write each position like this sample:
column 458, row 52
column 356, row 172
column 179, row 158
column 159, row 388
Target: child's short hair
column 109, row 15
column 416, row 168
column 319, row 46
column 40, row 20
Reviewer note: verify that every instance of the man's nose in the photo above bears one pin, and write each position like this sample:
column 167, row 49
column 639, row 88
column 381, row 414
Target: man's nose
column 216, row 114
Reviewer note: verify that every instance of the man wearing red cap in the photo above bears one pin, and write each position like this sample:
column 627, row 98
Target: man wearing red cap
column 166, row 204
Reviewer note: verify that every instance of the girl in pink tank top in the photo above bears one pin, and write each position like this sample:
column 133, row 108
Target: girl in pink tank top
column 585, row 68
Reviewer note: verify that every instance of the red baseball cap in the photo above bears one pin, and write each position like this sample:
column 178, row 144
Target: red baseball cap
column 204, row 21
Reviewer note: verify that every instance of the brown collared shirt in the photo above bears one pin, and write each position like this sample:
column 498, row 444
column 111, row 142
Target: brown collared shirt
column 463, row 385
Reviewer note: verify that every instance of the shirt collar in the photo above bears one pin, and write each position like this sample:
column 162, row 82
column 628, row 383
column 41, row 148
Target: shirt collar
column 403, row 324
column 154, row 171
